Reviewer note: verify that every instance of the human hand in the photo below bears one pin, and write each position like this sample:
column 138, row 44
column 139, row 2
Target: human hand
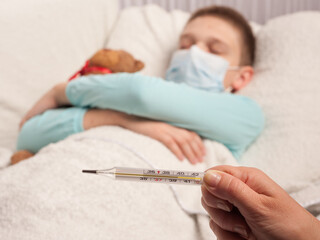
column 181, row 142
column 52, row 99
column 244, row 203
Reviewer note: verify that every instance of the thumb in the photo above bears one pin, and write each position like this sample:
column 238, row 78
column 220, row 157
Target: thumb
column 231, row 189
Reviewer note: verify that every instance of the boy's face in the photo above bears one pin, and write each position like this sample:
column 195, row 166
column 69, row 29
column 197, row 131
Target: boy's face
column 214, row 35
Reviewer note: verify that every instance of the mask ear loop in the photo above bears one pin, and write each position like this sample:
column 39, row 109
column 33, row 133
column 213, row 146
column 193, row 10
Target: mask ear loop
column 234, row 68
column 230, row 89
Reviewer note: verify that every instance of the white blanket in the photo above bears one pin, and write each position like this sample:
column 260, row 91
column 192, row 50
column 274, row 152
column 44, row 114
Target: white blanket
column 48, row 197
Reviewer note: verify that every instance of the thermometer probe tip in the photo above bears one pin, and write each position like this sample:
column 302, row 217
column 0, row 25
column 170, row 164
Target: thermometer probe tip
column 89, row 171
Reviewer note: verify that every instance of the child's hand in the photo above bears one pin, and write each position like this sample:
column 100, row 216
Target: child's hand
column 181, row 142
column 52, row 99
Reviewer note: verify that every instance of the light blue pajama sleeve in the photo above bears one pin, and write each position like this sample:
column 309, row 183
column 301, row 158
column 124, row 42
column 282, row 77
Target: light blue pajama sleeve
column 50, row 127
column 230, row 119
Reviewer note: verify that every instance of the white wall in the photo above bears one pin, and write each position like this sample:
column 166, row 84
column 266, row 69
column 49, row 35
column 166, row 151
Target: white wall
column 255, row 10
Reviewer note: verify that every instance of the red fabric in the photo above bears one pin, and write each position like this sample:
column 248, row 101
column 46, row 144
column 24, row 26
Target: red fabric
column 88, row 69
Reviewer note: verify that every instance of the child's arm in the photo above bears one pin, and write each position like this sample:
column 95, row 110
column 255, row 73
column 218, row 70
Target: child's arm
column 232, row 120
column 57, row 124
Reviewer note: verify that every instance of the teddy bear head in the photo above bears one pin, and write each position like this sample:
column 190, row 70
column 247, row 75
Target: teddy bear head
column 116, row 61
column 109, row 61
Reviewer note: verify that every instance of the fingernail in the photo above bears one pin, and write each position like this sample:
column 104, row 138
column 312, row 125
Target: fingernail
column 223, row 207
column 212, row 178
column 242, row 231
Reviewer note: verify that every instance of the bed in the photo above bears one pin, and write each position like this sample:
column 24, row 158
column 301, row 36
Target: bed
column 47, row 197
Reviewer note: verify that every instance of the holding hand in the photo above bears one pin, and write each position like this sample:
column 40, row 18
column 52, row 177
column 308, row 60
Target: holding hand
column 181, row 142
column 244, row 203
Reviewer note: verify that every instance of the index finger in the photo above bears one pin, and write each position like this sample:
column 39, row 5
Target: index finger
column 200, row 143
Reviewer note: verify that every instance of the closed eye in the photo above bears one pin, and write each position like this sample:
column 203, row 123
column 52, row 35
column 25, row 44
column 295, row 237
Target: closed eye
column 186, row 41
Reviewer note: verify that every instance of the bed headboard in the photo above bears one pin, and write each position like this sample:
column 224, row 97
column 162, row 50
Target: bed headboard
column 254, row 10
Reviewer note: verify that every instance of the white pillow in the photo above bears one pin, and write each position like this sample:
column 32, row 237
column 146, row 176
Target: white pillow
column 150, row 33
column 286, row 85
column 42, row 43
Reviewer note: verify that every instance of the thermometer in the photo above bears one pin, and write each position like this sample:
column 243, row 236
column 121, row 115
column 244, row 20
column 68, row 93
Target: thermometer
column 151, row 175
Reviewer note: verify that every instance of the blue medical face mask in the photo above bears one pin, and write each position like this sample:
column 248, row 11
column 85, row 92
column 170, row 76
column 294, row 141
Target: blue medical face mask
column 198, row 69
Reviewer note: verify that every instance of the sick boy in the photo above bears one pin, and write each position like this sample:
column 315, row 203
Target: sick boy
column 197, row 97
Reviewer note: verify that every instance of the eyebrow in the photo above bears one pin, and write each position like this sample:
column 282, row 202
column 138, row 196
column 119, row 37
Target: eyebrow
column 186, row 35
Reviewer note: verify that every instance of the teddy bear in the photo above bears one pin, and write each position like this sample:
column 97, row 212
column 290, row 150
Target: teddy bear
column 104, row 61
column 109, row 61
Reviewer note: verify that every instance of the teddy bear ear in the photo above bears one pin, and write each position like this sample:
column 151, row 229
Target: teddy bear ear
column 138, row 65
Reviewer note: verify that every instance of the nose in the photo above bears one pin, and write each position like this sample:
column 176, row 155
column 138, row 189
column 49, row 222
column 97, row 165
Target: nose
column 202, row 46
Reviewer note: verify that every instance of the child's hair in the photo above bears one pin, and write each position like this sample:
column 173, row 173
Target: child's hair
column 239, row 22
